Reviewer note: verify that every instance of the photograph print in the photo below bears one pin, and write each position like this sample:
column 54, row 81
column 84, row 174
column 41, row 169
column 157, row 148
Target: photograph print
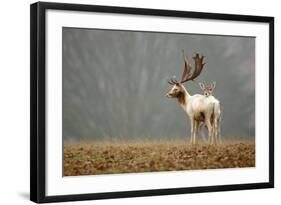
column 138, row 101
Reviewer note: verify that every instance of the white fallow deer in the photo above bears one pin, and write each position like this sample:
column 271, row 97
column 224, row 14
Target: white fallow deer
column 208, row 90
column 199, row 108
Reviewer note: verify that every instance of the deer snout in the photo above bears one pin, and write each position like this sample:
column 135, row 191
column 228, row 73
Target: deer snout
column 168, row 95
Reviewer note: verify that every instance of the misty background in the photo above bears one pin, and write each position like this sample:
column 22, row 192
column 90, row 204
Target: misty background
column 114, row 83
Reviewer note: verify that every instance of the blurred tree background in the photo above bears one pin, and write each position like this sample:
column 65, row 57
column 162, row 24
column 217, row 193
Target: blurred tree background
column 114, row 83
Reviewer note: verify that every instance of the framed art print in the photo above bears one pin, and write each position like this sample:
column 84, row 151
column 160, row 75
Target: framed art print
column 129, row 102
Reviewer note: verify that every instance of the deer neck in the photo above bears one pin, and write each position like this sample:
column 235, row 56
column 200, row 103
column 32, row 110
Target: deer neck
column 183, row 98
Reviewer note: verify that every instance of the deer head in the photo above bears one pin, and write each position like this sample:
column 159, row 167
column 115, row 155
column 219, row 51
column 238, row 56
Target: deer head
column 207, row 89
column 178, row 88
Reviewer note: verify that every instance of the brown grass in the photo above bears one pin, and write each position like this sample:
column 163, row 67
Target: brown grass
column 109, row 158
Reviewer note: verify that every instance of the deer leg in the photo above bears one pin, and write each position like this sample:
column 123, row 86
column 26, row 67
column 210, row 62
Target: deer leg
column 210, row 130
column 215, row 132
column 195, row 131
column 192, row 130
column 219, row 131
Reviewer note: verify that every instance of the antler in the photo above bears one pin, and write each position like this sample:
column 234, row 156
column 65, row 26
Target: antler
column 187, row 67
column 173, row 81
column 199, row 64
column 186, row 76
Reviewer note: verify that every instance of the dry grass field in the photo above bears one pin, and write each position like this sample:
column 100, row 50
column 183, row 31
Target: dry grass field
column 110, row 158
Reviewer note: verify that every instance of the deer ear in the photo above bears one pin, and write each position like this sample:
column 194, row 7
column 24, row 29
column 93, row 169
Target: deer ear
column 214, row 85
column 202, row 86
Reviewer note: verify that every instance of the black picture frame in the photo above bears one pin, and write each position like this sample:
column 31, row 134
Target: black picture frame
column 38, row 101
